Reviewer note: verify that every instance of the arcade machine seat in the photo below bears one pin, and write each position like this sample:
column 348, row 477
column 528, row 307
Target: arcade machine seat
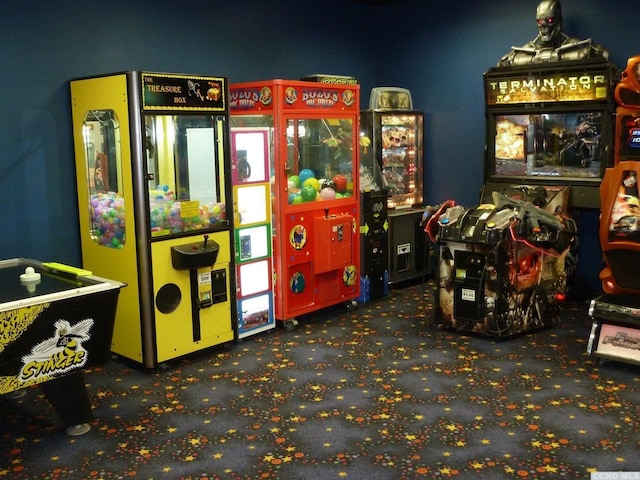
column 615, row 333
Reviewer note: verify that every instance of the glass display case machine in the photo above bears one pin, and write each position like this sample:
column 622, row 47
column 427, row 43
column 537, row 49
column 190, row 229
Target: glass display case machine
column 153, row 183
column 313, row 136
column 392, row 165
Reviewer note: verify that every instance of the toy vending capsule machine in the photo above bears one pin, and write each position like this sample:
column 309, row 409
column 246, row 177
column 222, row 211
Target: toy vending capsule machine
column 315, row 237
column 153, row 181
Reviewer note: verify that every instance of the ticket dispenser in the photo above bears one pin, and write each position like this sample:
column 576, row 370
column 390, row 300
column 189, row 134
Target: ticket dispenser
column 153, row 182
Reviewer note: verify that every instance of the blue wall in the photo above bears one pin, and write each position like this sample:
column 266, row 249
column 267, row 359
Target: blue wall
column 439, row 52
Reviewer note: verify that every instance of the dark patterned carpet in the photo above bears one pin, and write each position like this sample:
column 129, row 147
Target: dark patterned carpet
column 374, row 393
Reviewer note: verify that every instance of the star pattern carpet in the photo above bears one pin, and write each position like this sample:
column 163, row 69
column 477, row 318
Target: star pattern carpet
column 379, row 392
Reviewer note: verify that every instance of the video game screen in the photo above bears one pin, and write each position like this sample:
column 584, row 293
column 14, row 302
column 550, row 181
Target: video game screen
column 564, row 145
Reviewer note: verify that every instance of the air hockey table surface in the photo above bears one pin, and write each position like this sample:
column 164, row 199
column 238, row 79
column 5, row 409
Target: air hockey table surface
column 55, row 321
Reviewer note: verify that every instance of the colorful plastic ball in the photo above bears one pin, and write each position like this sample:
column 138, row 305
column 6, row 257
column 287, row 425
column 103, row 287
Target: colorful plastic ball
column 308, row 193
column 306, row 173
column 291, row 185
column 295, row 179
column 340, row 182
column 312, row 182
column 327, row 194
column 297, row 198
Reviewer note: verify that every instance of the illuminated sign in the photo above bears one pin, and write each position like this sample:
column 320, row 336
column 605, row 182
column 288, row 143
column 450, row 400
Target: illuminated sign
column 181, row 92
column 547, row 87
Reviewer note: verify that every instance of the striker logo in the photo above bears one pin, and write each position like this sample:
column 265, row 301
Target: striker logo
column 59, row 354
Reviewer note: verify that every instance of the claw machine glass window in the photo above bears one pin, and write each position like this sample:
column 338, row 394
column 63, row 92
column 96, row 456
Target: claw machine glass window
column 104, row 178
column 319, row 159
column 183, row 162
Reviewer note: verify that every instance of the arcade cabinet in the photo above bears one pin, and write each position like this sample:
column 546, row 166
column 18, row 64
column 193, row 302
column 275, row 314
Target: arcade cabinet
column 502, row 264
column 153, row 185
column 392, row 135
column 615, row 333
column 313, row 131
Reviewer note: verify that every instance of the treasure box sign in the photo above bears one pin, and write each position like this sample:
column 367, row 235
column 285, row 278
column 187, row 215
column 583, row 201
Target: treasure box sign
column 547, row 87
column 182, row 92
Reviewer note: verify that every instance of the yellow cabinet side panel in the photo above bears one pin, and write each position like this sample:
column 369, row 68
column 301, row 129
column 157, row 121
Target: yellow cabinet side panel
column 110, row 93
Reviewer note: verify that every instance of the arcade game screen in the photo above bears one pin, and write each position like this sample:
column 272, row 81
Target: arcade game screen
column 564, row 145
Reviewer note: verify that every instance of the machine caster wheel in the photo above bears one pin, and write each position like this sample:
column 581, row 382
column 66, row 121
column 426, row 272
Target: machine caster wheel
column 290, row 324
column 350, row 305
column 77, row 430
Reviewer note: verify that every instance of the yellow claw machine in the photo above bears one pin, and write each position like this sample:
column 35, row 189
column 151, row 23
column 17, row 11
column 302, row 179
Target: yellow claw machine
column 153, row 182
column 313, row 134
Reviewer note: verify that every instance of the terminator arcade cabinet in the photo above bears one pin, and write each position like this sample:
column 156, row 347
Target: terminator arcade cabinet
column 316, row 209
column 153, row 183
column 392, row 136
column 615, row 333
column 502, row 264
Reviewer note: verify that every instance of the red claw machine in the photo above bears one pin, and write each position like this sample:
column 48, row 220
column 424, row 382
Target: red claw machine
column 153, row 183
column 313, row 133
column 392, row 162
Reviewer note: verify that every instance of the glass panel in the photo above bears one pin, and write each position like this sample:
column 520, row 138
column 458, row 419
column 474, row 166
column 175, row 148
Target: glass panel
column 250, row 162
column 254, row 277
column 401, row 163
column 184, row 165
column 253, row 242
column 252, row 204
column 319, row 159
column 257, row 122
column 104, row 167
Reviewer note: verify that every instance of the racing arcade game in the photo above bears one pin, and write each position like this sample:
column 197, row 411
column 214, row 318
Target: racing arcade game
column 615, row 332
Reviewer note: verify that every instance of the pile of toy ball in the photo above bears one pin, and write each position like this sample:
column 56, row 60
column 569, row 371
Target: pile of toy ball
column 305, row 187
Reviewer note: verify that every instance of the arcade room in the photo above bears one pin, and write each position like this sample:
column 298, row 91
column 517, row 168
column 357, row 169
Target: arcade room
column 360, row 239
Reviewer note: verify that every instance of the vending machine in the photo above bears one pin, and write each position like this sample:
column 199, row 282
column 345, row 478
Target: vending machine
column 153, row 185
column 313, row 134
column 392, row 134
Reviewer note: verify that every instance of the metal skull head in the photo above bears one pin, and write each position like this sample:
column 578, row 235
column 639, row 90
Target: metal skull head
column 549, row 19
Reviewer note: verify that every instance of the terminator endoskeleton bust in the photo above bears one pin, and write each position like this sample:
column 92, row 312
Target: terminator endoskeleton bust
column 551, row 44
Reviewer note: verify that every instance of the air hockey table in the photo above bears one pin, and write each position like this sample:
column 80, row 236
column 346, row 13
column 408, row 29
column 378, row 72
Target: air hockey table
column 55, row 321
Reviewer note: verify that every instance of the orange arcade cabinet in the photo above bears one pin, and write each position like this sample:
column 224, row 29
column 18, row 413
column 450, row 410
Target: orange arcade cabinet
column 615, row 332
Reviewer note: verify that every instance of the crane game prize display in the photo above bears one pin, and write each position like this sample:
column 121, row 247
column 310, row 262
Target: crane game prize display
column 153, row 179
column 315, row 188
